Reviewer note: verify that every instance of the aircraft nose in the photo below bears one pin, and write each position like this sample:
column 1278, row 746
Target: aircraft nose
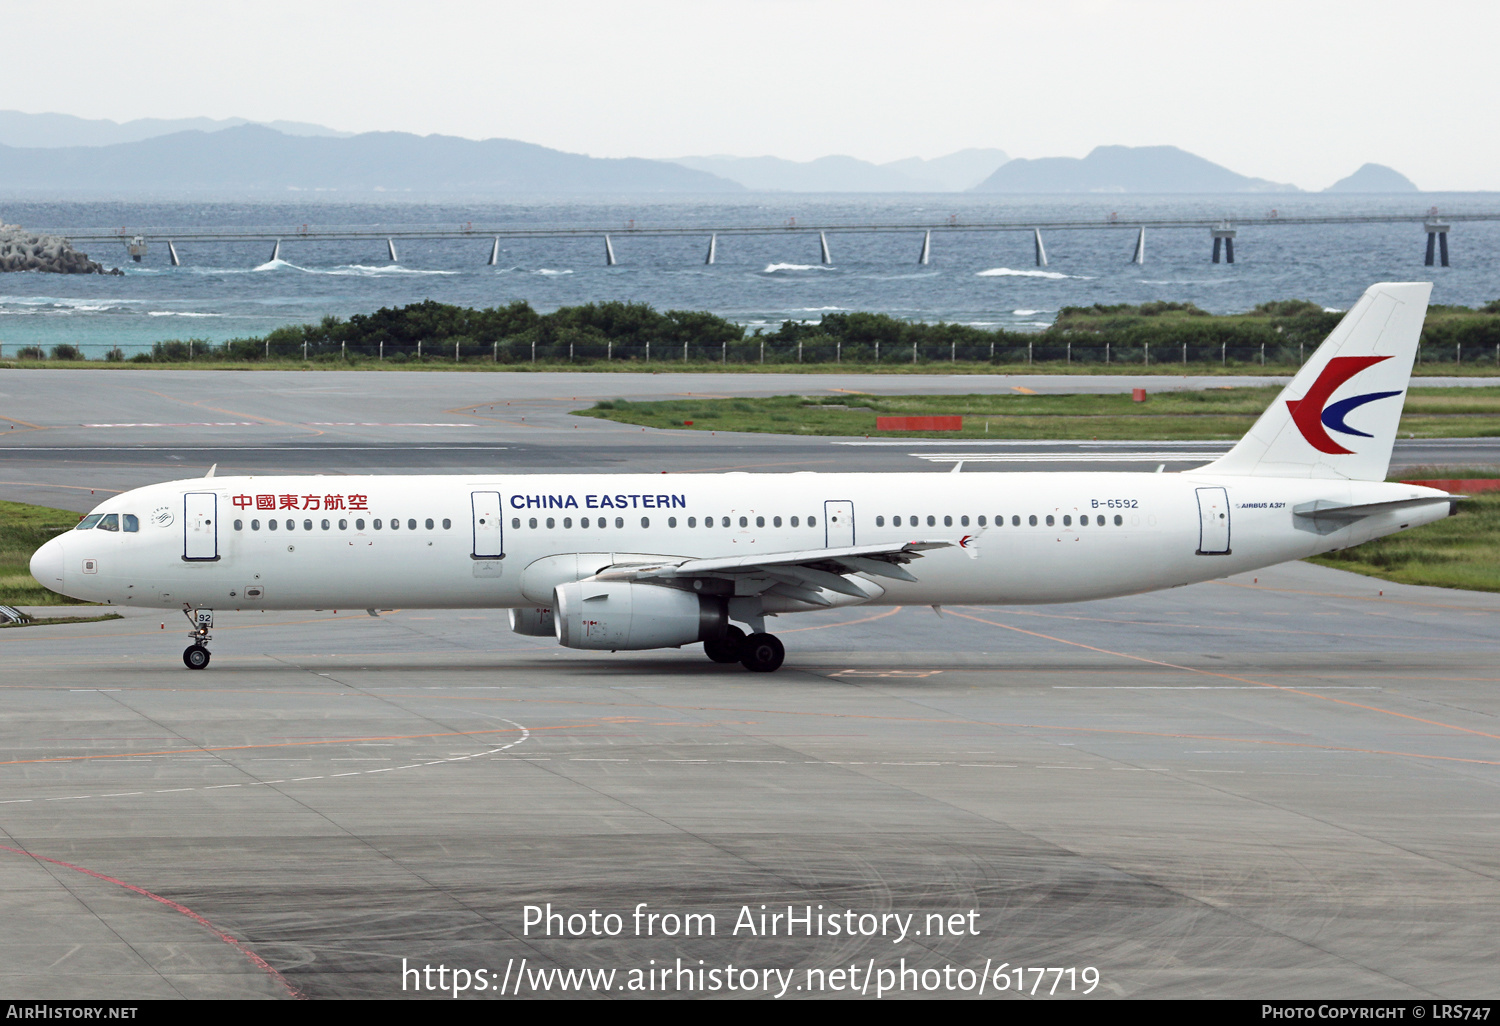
column 47, row 565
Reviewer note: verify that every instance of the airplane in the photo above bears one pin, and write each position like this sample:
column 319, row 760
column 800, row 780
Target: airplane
column 638, row 561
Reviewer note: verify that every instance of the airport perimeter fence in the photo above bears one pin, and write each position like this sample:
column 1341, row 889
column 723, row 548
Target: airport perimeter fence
column 1039, row 350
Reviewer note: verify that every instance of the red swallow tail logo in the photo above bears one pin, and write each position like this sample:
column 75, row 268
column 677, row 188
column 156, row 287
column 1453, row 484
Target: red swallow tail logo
column 1312, row 413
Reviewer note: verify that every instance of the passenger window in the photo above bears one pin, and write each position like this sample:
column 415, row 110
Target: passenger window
column 724, row 522
column 1050, row 521
column 551, row 523
column 744, row 521
column 692, row 521
column 239, row 525
column 515, row 522
column 619, row 521
column 375, row 524
column 326, row 525
column 963, row 521
column 880, row 521
column 812, row 521
column 981, row 521
column 931, row 520
column 291, row 525
column 1016, row 521
column 255, row 525
column 448, row 524
column 671, row 521
column 132, row 523
column 760, row 521
column 411, row 525
column 343, row 525
column 895, row 521
column 359, row 525
column 429, row 523
column 584, row 522
column 776, row 521
column 1031, row 520
column 109, row 522
column 1067, row 521
column 567, row 521
column 645, row 521
column 708, row 521
column 307, row 525
column 271, row 525
column 794, row 521
column 947, row 521
column 531, row 523
column 395, row 524
column 1119, row 520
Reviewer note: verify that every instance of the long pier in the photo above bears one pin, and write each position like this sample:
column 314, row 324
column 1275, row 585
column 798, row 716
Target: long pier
column 1222, row 232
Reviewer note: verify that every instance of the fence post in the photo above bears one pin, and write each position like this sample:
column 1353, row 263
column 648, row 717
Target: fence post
column 304, row 350
column 1262, row 354
column 724, row 351
column 419, row 350
column 533, row 350
column 1184, row 352
column 913, row 352
column 382, row 350
column 494, row 350
column 762, row 350
column 1460, row 359
column 344, row 350
column 1028, row 353
column 1148, row 354
column 1223, row 348
column 190, row 350
column 838, row 351
column 648, row 350
column 684, row 351
column 877, row 350
column 1106, row 353
column 609, row 351
column 992, row 360
column 1070, row 354
column 455, row 351
column 799, row 350
column 953, row 351
column 570, row 352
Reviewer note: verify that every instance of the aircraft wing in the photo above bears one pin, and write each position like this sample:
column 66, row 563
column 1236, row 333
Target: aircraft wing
column 797, row 574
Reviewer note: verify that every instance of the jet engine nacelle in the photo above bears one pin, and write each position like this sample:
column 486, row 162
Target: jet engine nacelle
column 614, row 615
column 535, row 622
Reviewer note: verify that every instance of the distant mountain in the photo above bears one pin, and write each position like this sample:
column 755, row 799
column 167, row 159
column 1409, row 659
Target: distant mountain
column 952, row 173
column 49, row 131
column 1148, row 169
column 1374, row 178
column 254, row 159
column 957, row 171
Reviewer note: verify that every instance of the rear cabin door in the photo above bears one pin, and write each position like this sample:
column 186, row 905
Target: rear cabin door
column 489, row 540
column 1213, row 522
column 200, row 527
column 838, row 522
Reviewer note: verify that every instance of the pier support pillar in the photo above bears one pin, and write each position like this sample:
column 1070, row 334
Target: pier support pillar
column 1139, row 257
column 1226, row 237
column 1041, row 251
column 609, row 252
column 390, row 247
column 823, row 246
column 275, row 252
column 172, row 254
column 926, row 257
column 1437, row 231
column 713, row 248
column 495, row 252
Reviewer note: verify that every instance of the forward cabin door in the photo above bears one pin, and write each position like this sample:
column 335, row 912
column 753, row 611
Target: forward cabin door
column 200, row 527
column 1213, row 522
column 489, row 538
column 838, row 523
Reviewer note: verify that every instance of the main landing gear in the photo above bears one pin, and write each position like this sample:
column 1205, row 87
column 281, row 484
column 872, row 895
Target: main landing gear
column 759, row 652
column 195, row 656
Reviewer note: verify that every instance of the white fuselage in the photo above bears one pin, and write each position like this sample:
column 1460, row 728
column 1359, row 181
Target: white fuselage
column 1018, row 538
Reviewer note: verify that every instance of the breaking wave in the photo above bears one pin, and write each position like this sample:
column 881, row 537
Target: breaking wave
column 1007, row 272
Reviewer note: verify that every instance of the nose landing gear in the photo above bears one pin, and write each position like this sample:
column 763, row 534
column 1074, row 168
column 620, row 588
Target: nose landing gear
column 196, row 656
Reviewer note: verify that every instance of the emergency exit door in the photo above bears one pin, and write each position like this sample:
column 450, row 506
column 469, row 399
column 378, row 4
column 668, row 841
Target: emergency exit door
column 489, row 540
column 838, row 523
column 200, row 527
column 1213, row 522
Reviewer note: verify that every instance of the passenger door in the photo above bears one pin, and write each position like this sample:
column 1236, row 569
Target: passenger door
column 489, row 534
column 1213, row 522
column 838, row 523
column 200, row 527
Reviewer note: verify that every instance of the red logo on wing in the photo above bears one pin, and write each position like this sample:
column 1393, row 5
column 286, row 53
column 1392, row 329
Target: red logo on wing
column 1307, row 412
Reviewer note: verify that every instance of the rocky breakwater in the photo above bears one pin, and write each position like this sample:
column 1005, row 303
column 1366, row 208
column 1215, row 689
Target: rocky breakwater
column 21, row 250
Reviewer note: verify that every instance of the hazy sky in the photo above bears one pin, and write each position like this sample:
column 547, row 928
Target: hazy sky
column 1299, row 92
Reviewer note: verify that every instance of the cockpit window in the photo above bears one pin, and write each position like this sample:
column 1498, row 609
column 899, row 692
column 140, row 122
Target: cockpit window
column 89, row 521
column 130, row 522
column 109, row 522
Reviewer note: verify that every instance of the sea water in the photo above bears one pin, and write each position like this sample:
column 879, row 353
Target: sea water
column 983, row 278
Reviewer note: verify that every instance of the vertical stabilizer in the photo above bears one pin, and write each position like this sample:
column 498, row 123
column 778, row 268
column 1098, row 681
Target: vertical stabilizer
column 1338, row 417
